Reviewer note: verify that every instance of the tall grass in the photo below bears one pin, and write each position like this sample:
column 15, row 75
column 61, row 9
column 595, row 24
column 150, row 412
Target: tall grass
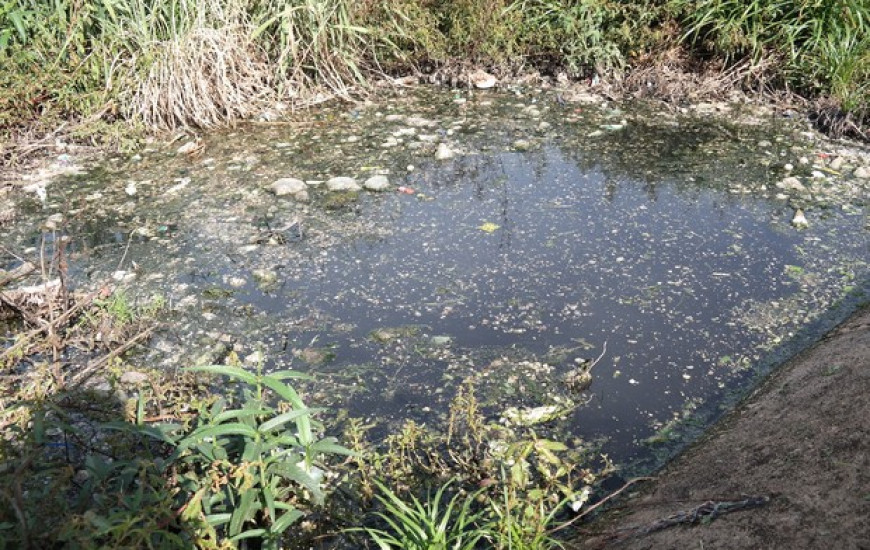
column 822, row 47
column 170, row 63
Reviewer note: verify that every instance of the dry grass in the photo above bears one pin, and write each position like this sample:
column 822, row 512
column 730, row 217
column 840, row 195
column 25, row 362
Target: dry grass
column 205, row 78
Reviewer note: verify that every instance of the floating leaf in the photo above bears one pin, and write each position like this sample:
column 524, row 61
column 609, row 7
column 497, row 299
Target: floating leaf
column 489, row 227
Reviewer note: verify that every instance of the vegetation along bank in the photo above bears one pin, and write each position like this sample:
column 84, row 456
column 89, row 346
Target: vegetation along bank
column 104, row 72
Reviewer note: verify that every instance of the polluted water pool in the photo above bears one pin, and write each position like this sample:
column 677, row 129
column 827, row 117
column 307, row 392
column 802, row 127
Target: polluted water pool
column 608, row 272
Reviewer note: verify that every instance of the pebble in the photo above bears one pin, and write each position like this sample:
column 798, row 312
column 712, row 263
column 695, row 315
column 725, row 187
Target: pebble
column 444, row 152
column 522, row 145
column 791, row 183
column 133, row 377
column 53, row 222
column 188, row 148
column 799, row 220
column 131, row 188
column 342, row 183
column 862, row 172
column 837, row 163
column 377, row 183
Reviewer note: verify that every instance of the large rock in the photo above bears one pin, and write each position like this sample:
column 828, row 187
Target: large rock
column 342, row 183
column 377, row 183
column 287, row 186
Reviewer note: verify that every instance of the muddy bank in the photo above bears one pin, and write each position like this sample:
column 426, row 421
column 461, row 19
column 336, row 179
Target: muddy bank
column 801, row 440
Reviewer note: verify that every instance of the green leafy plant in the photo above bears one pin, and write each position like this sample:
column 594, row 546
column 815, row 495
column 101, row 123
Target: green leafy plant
column 428, row 526
column 249, row 463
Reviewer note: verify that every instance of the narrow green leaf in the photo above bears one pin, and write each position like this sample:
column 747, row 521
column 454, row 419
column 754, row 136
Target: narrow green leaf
column 284, row 418
column 235, row 428
column 329, row 445
column 288, row 374
column 284, row 391
column 250, row 534
column 225, row 370
column 244, row 510
column 286, row 520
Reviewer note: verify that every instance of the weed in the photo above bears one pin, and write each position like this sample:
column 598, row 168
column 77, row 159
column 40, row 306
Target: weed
column 428, row 526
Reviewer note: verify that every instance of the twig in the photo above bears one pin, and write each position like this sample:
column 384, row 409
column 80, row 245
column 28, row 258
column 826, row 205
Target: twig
column 599, row 503
column 28, row 336
column 89, row 370
column 19, row 272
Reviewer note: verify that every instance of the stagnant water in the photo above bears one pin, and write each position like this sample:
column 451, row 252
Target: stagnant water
column 558, row 232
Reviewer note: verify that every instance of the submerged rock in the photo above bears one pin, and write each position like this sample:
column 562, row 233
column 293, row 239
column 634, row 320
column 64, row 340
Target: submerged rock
column 342, row 183
column 862, row 172
column 377, row 183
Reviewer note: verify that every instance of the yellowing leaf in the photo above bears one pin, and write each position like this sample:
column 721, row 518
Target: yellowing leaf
column 489, row 227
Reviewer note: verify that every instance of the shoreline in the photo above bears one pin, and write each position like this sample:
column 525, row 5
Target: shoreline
column 801, row 441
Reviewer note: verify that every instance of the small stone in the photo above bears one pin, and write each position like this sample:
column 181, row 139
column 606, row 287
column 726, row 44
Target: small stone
column 522, row 145
column 287, row 186
column 837, row 163
column 862, row 172
column 804, row 160
column 792, row 184
column 236, row 282
column 123, row 276
column 799, row 220
column 788, row 167
column 134, row 378
column 188, row 148
column 131, row 188
column 265, row 276
column 53, row 222
column 256, row 358
column 377, row 183
column 342, row 183
column 444, row 152
column 764, row 143
column 482, row 80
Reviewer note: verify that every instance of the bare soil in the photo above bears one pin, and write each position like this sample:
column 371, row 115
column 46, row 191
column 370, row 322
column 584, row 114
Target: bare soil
column 802, row 440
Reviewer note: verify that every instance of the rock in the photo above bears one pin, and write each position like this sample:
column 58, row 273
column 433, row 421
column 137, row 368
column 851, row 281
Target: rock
column 444, row 152
column 837, row 163
column 131, row 188
column 265, row 276
column 377, row 183
column 862, row 172
column 482, row 80
column 134, row 378
column 122, row 276
column 342, row 183
column 791, row 183
column 522, row 145
column 441, row 341
column 799, row 220
column 287, row 186
column 53, row 222
column 256, row 358
column 301, row 196
column 189, row 148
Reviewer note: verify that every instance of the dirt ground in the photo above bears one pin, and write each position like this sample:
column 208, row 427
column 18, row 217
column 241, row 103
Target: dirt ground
column 802, row 440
